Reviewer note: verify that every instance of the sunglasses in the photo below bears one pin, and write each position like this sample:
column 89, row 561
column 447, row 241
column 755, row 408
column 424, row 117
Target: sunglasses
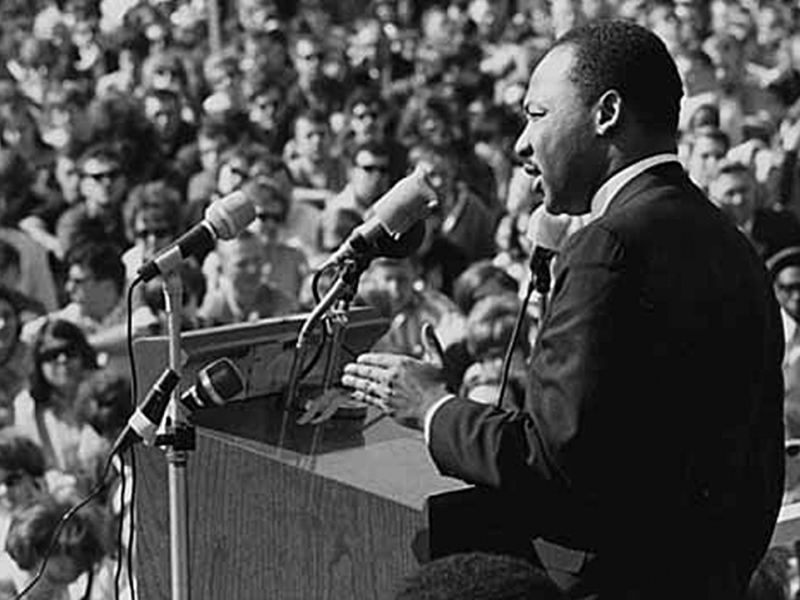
column 363, row 114
column 374, row 168
column 270, row 216
column 788, row 289
column 160, row 233
column 52, row 354
column 12, row 479
column 102, row 176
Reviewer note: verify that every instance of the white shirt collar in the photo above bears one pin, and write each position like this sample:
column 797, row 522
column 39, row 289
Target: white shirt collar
column 612, row 186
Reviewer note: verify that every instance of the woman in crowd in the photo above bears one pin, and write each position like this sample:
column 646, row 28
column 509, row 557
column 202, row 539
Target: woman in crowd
column 45, row 410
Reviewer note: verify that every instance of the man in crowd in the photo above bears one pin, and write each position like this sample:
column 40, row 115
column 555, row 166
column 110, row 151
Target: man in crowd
column 652, row 428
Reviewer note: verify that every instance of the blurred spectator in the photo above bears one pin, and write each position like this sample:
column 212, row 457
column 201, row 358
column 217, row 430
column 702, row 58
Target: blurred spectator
column 368, row 180
column 132, row 50
column 22, row 476
column 35, row 277
column 103, row 407
column 224, row 76
column 489, row 328
column 78, row 567
column 96, row 286
column 103, row 187
column 153, row 215
column 63, row 193
column 741, row 95
column 463, row 222
column 163, row 110
column 45, row 410
column 15, row 360
column 772, row 579
column 708, row 146
column 242, row 295
column 390, row 285
column 270, row 116
column 285, row 265
column 733, row 189
column 317, row 173
column 369, row 118
column 313, row 89
column 214, row 138
column 784, row 270
column 10, row 278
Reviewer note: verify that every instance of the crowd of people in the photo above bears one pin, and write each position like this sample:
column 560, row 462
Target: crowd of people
column 122, row 121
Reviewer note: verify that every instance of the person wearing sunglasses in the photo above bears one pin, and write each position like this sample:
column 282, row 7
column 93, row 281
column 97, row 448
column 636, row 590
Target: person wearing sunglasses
column 368, row 179
column 103, row 186
column 153, row 218
column 45, row 410
column 286, row 263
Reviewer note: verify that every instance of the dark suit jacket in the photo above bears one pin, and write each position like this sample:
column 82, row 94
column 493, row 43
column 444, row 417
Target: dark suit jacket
column 652, row 434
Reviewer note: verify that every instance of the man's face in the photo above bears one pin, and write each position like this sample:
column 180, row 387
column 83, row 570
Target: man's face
column 735, row 194
column 209, row 149
column 704, row 159
column 369, row 176
column 395, row 280
column 242, row 266
column 91, row 294
column 365, row 122
column 311, row 139
column 164, row 115
column 102, row 185
column 558, row 145
column 263, row 110
column 308, row 59
column 152, row 233
column 787, row 289
column 270, row 214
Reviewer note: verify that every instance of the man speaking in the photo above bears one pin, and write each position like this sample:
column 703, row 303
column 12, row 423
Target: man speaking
column 651, row 441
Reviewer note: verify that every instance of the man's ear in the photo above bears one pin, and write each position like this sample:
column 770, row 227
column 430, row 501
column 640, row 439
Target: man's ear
column 609, row 112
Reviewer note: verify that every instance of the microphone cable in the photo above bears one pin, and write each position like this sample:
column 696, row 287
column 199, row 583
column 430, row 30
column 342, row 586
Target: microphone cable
column 540, row 282
column 131, row 519
column 95, row 492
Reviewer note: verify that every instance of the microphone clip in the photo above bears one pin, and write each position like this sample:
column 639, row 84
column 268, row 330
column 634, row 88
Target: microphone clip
column 179, row 438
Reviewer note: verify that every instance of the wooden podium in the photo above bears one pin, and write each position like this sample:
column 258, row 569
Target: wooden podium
column 279, row 510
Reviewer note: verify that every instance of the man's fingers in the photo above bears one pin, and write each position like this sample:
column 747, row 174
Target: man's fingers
column 434, row 353
column 381, row 359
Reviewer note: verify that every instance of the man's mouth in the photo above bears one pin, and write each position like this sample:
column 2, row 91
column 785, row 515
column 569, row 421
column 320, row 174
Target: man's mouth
column 535, row 174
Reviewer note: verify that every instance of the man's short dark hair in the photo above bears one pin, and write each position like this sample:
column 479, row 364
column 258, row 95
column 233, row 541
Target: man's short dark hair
column 618, row 54
column 102, row 259
column 478, row 576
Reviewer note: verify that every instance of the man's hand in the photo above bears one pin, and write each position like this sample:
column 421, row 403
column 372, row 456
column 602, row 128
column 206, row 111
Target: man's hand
column 402, row 386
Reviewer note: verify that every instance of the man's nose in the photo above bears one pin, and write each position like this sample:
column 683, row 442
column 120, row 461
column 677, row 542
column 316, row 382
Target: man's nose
column 522, row 147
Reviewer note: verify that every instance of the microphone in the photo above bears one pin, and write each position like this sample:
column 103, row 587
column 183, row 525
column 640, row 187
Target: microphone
column 224, row 220
column 144, row 422
column 547, row 232
column 396, row 227
column 216, row 385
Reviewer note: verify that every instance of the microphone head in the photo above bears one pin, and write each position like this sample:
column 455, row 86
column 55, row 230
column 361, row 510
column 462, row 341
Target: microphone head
column 229, row 216
column 216, row 385
column 404, row 245
column 409, row 201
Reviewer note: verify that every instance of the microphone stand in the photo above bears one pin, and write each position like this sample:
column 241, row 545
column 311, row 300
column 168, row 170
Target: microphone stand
column 179, row 440
column 340, row 293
